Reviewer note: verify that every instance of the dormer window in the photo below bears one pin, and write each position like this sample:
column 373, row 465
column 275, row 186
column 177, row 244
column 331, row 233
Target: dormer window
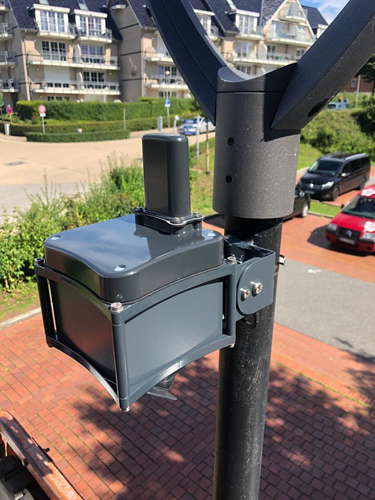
column 204, row 17
column 82, row 5
column 246, row 23
column 52, row 21
column 44, row 2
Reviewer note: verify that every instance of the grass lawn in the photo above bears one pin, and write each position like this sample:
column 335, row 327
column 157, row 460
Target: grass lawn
column 324, row 209
column 201, row 196
column 24, row 299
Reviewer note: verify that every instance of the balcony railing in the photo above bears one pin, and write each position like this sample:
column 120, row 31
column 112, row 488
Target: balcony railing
column 7, row 58
column 56, row 30
column 270, row 58
column 168, row 80
column 249, row 32
column 94, row 33
column 158, row 56
column 9, row 86
column 75, row 87
column 286, row 35
column 5, row 30
column 292, row 14
column 214, row 31
column 4, row 5
column 63, row 59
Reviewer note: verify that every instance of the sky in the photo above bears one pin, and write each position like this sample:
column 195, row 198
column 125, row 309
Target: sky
column 329, row 8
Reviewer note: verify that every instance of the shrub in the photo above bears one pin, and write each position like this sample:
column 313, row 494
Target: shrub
column 89, row 137
column 103, row 111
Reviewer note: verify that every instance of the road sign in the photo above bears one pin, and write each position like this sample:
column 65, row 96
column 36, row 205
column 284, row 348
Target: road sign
column 9, row 110
column 167, row 103
column 42, row 110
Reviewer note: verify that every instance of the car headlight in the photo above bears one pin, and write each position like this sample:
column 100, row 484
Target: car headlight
column 327, row 185
column 368, row 236
column 332, row 227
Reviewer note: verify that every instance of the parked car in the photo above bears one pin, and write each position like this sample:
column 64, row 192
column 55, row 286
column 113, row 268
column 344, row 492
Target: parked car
column 336, row 174
column 189, row 127
column 301, row 204
column 338, row 105
column 354, row 226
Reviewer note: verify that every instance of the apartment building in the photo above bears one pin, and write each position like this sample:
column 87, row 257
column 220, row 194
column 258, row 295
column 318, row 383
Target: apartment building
column 255, row 36
column 58, row 49
column 91, row 50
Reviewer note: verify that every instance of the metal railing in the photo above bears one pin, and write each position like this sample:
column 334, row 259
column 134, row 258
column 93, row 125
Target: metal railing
column 7, row 57
column 290, row 13
column 158, row 56
column 286, row 35
column 214, row 31
column 74, row 87
column 4, row 4
column 94, row 33
column 257, row 31
column 5, row 29
column 55, row 29
column 167, row 80
column 271, row 56
column 83, row 61
column 9, row 85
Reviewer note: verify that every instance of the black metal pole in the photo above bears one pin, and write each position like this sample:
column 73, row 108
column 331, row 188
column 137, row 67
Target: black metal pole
column 243, row 383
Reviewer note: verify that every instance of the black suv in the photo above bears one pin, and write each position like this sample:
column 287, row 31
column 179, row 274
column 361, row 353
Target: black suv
column 336, row 174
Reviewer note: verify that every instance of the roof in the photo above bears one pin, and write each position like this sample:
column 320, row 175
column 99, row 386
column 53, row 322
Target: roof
column 25, row 17
column 344, row 156
column 224, row 15
column 368, row 191
column 314, row 16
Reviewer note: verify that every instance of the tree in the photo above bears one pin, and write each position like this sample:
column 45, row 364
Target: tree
column 368, row 71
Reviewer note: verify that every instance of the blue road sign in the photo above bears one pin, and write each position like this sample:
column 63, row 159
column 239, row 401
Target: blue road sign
column 167, row 103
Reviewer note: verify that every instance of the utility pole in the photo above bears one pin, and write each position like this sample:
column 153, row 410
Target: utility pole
column 254, row 181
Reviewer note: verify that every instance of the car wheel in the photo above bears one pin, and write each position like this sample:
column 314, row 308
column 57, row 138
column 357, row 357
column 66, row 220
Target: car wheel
column 305, row 210
column 335, row 193
column 363, row 184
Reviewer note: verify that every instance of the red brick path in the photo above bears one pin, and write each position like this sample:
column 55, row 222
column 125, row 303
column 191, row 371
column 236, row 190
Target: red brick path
column 318, row 443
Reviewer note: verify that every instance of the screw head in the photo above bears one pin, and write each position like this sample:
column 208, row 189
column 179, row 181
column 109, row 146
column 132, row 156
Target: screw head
column 245, row 293
column 232, row 260
column 196, row 215
column 257, row 288
column 176, row 219
column 39, row 261
column 138, row 209
column 116, row 307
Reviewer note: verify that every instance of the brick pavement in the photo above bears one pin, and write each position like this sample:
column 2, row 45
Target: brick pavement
column 319, row 444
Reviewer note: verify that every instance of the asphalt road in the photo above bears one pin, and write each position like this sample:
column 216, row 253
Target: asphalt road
column 331, row 307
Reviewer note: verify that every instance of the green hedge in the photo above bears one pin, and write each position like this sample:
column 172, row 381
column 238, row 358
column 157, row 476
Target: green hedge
column 102, row 111
column 21, row 129
column 90, row 137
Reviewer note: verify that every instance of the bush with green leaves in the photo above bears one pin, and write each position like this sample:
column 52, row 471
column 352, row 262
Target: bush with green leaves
column 23, row 232
column 113, row 135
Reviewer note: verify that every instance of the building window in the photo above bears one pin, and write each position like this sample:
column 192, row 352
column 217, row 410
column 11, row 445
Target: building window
column 92, row 54
column 205, row 22
column 300, row 53
column 244, row 49
column 54, row 51
column 93, row 79
column 167, row 72
column 353, row 83
column 52, row 21
column 246, row 24
column 244, row 69
column 90, row 26
column 167, row 94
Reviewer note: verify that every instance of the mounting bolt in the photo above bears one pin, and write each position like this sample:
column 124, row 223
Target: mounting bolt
column 39, row 261
column 230, row 346
column 257, row 288
column 196, row 215
column 176, row 219
column 232, row 260
column 116, row 307
column 138, row 209
column 245, row 293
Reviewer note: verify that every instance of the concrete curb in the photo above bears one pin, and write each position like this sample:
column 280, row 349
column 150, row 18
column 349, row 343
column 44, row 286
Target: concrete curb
column 19, row 318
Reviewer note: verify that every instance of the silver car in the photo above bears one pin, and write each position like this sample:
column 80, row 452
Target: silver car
column 189, row 127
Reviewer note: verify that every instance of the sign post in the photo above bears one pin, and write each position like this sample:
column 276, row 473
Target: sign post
column 167, row 104
column 124, row 116
column 197, row 134
column 42, row 112
column 1, row 109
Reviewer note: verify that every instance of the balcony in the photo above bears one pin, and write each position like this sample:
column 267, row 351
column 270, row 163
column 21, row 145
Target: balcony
column 290, row 38
column 7, row 59
column 161, row 82
column 54, row 30
column 6, row 30
column 4, row 6
column 58, row 59
column 94, row 35
column 11, row 86
column 251, row 33
column 75, row 87
column 292, row 15
column 158, row 56
column 272, row 59
column 214, row 33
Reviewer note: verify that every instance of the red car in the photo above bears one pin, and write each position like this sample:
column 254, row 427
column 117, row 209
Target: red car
column 354, row 227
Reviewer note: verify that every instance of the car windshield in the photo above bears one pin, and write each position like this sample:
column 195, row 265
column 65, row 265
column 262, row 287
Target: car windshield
column 361, row 206
column 190, row 122
column 325, row 167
